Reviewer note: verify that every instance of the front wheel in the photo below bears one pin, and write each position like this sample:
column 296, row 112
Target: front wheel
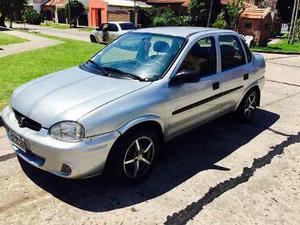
column 93, row 39
column 247, row 107
column 133, row 157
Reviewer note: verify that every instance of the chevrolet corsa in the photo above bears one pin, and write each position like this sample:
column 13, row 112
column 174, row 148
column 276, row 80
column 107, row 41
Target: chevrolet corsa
column 114, row 112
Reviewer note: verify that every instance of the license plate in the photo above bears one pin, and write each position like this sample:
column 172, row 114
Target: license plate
column 17, row 141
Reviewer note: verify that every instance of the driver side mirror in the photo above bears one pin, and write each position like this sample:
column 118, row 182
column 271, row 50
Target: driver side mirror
column 185, row 76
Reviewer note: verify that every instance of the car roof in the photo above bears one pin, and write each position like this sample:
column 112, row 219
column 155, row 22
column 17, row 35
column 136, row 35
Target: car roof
column 182, row 31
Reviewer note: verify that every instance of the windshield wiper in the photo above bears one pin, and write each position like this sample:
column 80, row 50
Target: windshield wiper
column 130, row 75
column 98, row 67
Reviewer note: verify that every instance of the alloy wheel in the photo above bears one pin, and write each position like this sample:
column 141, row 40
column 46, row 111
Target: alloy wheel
column 250, row 105
column 139, row 157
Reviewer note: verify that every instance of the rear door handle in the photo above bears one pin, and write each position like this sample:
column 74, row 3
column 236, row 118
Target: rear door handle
column 216, row 85
column 246, row 76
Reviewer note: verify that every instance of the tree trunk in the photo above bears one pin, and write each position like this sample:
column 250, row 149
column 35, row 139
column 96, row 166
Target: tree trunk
column 10, row 24
column 2, row 21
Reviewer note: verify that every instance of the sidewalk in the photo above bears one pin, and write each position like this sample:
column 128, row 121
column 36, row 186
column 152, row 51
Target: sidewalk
column 34, row 42
column 67, row 33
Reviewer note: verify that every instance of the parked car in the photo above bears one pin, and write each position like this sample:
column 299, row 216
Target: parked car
column 107, row 32
column 114, row 112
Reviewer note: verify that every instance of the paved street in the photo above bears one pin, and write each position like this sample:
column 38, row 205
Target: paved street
column 222, row 173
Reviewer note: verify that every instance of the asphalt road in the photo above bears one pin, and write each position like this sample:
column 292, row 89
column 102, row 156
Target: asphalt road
column 222, row 173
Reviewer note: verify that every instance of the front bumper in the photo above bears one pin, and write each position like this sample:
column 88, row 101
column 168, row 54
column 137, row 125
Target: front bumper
column 85, row 158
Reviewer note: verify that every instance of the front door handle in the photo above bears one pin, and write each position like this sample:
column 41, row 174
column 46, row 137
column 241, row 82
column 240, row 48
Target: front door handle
column 216, row 85
column 246, row 76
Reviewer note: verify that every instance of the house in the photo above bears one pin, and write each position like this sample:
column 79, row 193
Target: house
column 55, row 10
column 36, row 4
column 50, row 9
column 102, row 11
column 257, row 22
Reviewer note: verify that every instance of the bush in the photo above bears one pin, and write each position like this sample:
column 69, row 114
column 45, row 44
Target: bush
column 33, row 17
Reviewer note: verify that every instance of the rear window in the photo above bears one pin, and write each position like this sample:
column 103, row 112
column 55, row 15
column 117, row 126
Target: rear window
column 127, row 26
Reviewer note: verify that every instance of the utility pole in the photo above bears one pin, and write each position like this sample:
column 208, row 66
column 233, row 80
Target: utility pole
column 69, row 1
column 135, row 13
column 293, row 21
column 210, row 12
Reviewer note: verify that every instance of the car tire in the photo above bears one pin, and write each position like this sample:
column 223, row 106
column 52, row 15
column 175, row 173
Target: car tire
column 131, row 159
column 247, row 108
column 93, row 39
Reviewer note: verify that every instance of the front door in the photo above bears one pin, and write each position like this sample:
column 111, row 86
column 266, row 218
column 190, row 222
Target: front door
column 234, row 71
column 193, row 103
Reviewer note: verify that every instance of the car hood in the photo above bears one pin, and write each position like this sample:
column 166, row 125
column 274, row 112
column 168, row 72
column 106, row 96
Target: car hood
column 69, row 95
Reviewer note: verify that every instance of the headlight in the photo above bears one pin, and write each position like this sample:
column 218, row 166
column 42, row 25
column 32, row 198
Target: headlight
column 67, row 131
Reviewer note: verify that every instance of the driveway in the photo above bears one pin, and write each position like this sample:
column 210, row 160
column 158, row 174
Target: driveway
column 64, row 33
column 33, row 42
column 222, row 173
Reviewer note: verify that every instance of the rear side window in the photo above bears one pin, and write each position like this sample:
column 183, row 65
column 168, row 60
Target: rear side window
column 127, row 26
column 232, row 54
column 248, row 52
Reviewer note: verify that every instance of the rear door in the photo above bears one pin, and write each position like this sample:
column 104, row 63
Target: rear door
column 234, row 75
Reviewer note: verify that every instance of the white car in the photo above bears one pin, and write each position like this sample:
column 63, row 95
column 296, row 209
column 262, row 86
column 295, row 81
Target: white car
column 107, row 32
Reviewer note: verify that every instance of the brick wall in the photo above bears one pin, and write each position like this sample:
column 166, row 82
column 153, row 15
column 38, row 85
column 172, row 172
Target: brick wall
column 261, row 29
column 118, row 14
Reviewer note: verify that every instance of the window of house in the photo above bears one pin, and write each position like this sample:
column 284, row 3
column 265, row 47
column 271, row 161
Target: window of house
column 232, row 54
column 201, row 58
column 248, row 25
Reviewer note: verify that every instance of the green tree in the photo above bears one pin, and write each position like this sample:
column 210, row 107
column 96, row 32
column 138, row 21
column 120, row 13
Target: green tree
column 199, row 11
column 76, row 9
column 158, row 16
column 11, row 9
column 233, row 10
column 221, row 21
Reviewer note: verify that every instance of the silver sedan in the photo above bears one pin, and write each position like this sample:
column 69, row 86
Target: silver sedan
column 114, row 112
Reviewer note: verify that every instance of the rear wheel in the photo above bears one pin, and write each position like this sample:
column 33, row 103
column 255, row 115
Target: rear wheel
column 132, row 158
column 247, row 107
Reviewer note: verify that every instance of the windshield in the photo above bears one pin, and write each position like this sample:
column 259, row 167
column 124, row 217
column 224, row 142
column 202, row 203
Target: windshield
column 127, row 26
column 143, row 55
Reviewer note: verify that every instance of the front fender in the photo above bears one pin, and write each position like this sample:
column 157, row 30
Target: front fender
column 142, row 119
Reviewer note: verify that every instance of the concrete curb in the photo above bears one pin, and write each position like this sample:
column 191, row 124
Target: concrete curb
column 279, row 53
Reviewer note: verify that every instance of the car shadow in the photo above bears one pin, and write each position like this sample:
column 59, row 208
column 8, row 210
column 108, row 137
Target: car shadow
column 183, row 158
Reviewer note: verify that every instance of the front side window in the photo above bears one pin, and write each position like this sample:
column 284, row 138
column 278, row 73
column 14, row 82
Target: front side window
column 232, row 54
column 201, row 58
column 142, row 54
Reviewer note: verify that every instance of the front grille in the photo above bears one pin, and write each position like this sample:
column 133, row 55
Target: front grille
column 24, row 121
